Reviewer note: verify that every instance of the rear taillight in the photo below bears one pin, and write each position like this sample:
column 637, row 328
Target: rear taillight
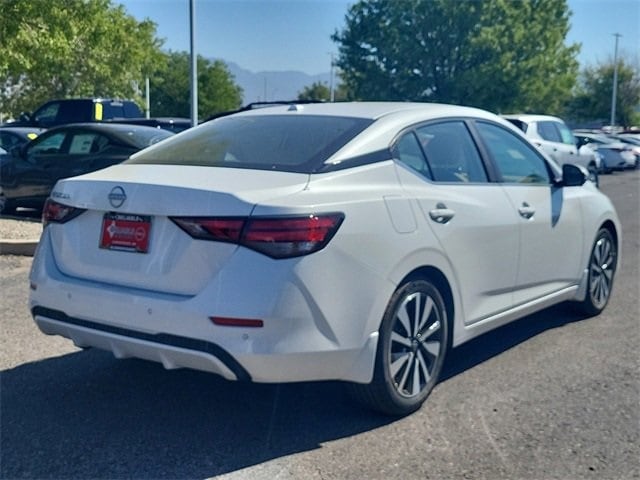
column 277, row 237
column 54, row 212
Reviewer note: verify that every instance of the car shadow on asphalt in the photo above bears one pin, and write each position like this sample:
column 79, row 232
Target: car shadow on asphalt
column 87, row 415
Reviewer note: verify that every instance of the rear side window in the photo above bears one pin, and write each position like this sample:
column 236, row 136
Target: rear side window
column 451, row 153
column 549, row 131
column 267, row 142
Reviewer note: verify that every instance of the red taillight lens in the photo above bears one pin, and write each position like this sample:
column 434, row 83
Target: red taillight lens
column 290, row 237
column 277, row 237
column 218, row 229
column 54, row 212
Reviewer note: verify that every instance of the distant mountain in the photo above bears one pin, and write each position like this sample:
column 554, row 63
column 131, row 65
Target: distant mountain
column 271, row 86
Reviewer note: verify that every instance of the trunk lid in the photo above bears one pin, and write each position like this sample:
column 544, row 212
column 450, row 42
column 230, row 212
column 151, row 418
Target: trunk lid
column 175, row 263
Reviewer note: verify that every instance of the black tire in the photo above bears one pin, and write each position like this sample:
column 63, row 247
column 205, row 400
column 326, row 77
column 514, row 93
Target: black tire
column 412, row 345
column 6, row 207
column 602, row 268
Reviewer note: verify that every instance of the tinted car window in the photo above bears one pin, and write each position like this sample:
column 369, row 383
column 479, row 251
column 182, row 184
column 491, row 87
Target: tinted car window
column 47, row 144
column 451, row 153
column 267, row 142
column 548, row 131
column 516, row 160
column 47, row 114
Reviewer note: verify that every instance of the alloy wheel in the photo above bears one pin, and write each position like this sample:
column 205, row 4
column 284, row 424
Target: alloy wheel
column 416, row 343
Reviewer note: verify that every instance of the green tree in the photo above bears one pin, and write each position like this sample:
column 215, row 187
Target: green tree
column 171, row 87
column 315, row 91
column 592, row 99
column 503, row 55
column 69, row 48
column 320, row 91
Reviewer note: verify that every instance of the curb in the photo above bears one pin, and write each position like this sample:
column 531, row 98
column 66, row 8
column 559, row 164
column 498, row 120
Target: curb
column 18, row 247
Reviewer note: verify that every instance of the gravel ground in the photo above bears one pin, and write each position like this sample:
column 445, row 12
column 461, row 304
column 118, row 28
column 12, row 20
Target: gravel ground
column 11, row 229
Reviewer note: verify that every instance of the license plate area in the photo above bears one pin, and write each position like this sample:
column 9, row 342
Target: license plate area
column 129, row 233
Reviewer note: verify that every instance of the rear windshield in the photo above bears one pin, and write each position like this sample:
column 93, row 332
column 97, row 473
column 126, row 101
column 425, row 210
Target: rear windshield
column 291, row 143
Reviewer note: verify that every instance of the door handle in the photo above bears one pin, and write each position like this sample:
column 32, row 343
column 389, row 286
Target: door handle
column 526, row 211
column 441, row 214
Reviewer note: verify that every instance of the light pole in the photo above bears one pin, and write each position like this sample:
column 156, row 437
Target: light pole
column 194, row 64
column 614, row 93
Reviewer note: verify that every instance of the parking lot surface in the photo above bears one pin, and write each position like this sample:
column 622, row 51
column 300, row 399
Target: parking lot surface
column 552, row 396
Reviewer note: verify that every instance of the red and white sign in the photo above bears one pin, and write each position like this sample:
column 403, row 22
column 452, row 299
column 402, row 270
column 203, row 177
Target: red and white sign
column 125, row 232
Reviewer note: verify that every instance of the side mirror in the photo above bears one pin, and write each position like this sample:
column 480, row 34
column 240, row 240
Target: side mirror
column 574, row 175
column 25, row 117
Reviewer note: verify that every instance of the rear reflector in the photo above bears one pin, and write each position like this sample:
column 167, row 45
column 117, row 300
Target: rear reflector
column 277, row 237
column 237, row 322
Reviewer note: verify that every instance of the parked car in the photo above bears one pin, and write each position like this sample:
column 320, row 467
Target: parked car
column 554, row 138
column 632, row 141
column 173, row 124
column 75, row 110
column 29, row 173
column 615, row 154
column 338, row 241
column 11, row 137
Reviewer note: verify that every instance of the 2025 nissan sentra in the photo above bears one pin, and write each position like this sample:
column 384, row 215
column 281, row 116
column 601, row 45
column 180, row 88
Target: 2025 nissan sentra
column 343, row 241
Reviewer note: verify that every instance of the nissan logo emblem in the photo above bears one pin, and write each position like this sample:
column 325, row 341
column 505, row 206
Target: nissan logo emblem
column 117, row 197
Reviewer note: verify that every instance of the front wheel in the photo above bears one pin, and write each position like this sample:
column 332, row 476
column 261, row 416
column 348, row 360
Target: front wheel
column 413, row 342
column 602, row 269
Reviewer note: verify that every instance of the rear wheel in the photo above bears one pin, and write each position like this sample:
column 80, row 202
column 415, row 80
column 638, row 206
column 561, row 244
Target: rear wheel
column 602, row 269
column 413, row 341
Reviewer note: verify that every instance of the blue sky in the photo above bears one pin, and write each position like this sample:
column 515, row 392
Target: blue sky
column 276, row 35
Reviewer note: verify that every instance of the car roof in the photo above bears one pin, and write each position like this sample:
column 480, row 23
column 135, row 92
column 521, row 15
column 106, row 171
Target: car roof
column 22, row 130
column 369, row 110
column 531, row 117
column 107, row 127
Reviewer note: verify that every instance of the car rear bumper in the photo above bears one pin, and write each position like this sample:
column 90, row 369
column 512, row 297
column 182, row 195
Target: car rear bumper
column 300, row 340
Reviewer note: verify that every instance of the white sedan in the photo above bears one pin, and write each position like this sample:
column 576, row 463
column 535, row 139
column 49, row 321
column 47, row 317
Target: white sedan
column 355, row 242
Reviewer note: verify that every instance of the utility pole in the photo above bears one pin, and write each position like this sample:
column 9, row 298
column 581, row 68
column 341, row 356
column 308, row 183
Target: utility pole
column 332, row 96
column 614, row 93
column 194, row 64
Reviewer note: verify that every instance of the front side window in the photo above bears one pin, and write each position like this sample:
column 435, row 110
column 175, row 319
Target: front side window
column 47, row 115
column 566, row 134
column 293, row 143
column 516, row 160
column 51, row 144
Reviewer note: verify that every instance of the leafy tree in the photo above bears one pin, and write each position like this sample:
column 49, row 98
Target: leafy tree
column 320, row 91
column 316, row 91
column 592, row 99
column 503, row 55
column 170, row 88
column 56, row 49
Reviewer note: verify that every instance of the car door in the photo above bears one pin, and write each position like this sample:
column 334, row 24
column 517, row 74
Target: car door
column 558, row 141
column 471, row 217
column 33, row 173
column 550, row 217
